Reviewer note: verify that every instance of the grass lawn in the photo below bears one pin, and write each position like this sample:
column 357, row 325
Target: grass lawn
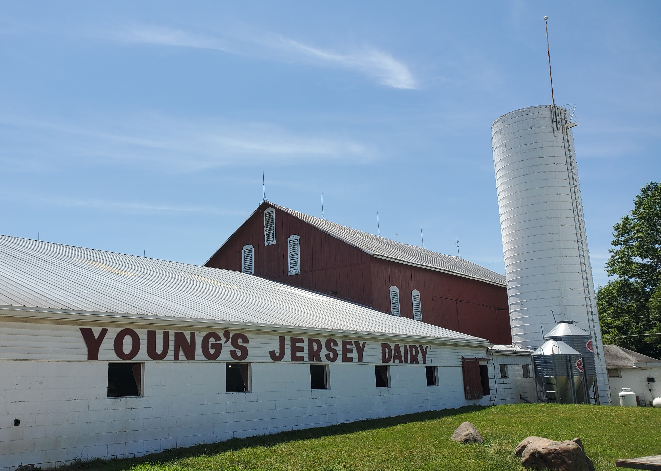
column 421, row 442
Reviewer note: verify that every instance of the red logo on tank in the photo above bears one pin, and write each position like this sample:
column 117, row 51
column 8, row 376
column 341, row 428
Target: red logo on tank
column 589, row 345
column 579, row 364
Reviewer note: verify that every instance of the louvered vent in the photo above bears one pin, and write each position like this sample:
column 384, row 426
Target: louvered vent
column 269, row 226
column 248, row 259
column 294, row 254
column 417, row 309
column 394, row 300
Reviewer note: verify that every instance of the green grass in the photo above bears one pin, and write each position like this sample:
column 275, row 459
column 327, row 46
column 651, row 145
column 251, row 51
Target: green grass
column 421, row 442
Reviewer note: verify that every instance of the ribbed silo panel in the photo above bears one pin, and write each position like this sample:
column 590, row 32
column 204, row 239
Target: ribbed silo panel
column 547, row 263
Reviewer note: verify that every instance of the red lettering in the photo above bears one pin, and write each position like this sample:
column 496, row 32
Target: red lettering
column 413, row 353
column 151, row 345
column 347, row 350
column 406, row 353
column 93, row 343
column 119, row 344
column 296, row 348
column 423, row 351
column 211, row 351
column 330, row 348
column 281, row 354
column 386, row 353
column 181, row 343
column 239, row 342
column 396, row 354
column 360, row 348
column 314, row 350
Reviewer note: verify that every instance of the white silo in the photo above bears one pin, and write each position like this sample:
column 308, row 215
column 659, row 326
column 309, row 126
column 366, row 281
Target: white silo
column 547, row 263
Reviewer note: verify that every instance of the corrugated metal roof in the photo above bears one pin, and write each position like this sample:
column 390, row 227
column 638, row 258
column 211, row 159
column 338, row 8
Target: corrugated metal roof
column 566, row 329
column 620, row 357
column 39, row 274
column 399, row 252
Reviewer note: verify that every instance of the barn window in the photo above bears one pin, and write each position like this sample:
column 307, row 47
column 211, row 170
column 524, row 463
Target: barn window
column 237, row 377
column 614, row 372
column 503, row 371
column 269, row 226
column 526, row 371
column 294, row 254
column 319, row 377
column 248, row 259
column 484, row 380
column 432, row 375
column 125, row 379
column 417, row 308
column 476, row 378
column 382, row 373
column 394, row 300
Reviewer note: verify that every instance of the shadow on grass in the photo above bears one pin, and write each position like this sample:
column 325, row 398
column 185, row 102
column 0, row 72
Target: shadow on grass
column 266, row 441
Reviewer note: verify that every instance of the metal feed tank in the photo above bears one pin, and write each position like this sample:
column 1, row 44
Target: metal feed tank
column 547, row 264
column 558, row 375
column 580, row 341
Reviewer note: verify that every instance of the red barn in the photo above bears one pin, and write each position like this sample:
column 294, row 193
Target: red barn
column 283, row 245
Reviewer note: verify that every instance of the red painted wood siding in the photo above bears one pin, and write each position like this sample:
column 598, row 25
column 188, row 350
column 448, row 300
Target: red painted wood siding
column 469, row 306
column 331, row 266
column 328, row 265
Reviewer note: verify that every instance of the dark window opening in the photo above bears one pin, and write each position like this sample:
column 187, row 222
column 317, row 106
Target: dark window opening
column 432, row 375
column 237, row 377
column 526, row 371
column 503, row 371
column 614, row 373
column 382, row 373
column 484, row 380
column 124, row 379
column 319, row 376
column 650, row 380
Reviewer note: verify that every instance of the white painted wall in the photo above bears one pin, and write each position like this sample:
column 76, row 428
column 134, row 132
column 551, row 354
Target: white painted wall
column 60, row 397
column 509, row 390
column 636, row 379
column 547, row 264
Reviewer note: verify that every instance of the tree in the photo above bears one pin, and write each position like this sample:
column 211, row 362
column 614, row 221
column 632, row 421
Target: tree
column 630, row 305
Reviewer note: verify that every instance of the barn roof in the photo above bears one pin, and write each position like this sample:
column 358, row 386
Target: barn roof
column 388, row 249
column 37, row 276
column 620, row 357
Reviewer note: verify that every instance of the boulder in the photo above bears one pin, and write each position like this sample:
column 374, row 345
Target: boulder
column 541, row 453
column 467, row 433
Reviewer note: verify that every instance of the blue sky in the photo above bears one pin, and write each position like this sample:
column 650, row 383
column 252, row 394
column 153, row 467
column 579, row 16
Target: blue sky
column 131, row 126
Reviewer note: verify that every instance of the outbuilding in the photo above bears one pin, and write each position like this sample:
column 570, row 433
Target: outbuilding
column 106, row 355
column 633, row 370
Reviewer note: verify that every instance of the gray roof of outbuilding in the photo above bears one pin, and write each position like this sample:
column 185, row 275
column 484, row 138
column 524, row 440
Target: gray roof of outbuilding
column 43, row 275
column 620, row 357
column 388, row 249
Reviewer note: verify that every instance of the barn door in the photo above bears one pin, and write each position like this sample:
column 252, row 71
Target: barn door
column 472, row 378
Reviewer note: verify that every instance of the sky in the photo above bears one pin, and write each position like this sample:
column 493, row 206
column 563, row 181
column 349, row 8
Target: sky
column 145, row 127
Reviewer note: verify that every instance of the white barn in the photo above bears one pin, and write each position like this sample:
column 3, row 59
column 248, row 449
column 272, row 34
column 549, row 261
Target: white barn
column 106, row 355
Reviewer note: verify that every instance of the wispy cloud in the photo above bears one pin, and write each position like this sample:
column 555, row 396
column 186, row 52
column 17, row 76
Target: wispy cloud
column 373, row 62
column 369, row 61
column 181, row 144
column 170, row 37
column 117, row 206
